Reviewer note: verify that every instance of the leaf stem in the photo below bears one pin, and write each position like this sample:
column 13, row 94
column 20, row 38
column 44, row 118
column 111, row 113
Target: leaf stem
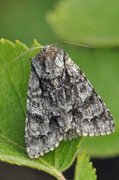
column 61, row 177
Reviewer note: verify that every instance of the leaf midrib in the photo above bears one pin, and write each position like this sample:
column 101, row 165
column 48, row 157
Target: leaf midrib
column 67, row 155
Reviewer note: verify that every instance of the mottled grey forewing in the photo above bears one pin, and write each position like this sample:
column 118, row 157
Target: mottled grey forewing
column 46, row 120
column 61, row 103
column 90, row 115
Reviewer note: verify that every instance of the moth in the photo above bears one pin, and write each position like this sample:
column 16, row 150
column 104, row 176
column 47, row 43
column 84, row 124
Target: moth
column 61, row 103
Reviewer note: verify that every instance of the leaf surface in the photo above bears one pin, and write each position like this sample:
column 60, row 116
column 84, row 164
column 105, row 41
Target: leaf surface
column 15, row 61
column 84, row 169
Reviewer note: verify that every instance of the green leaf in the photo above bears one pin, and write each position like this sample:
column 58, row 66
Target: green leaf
column 15, row 60
column 64, row 155
column 92, row 22
column 84, row 169
column 101, row 67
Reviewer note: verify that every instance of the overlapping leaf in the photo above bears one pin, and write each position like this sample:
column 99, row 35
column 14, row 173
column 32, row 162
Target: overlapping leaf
column 84, row 169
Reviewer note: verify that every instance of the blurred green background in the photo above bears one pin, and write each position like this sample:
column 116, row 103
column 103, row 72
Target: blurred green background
column 87, row 22
column 25, row 20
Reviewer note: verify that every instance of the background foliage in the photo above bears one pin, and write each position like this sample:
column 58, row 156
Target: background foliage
column 90, row 22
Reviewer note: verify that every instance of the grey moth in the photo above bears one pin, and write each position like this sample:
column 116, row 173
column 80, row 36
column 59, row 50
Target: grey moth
column 61, row 103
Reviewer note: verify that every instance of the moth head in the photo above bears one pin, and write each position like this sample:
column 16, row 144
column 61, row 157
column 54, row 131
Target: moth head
column 50, row 51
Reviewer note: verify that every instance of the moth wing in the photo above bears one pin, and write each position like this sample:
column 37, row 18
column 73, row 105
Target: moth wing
column 61, row 103
column 90, row 114
column 41, row 131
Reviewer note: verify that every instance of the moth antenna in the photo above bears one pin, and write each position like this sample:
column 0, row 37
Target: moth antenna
column 55, row 44
column 25, row 53
column 77, row 44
